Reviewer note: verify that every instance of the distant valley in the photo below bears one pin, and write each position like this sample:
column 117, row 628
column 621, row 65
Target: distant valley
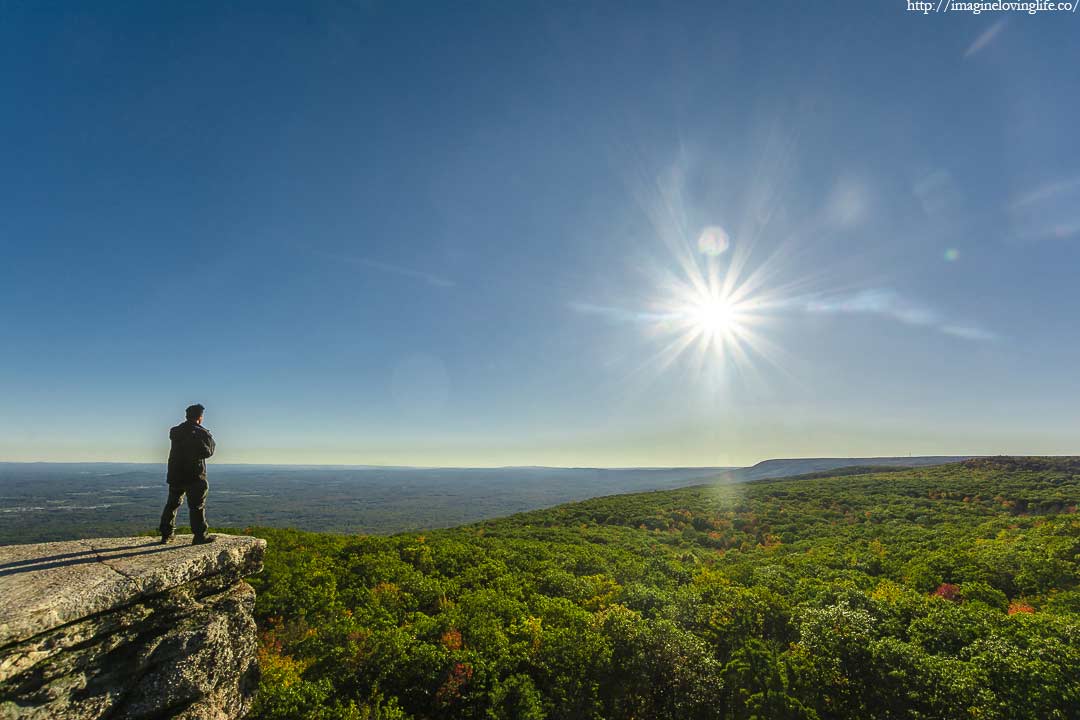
column 57, row 501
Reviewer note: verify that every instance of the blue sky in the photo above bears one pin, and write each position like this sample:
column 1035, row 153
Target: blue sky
column 468, row 234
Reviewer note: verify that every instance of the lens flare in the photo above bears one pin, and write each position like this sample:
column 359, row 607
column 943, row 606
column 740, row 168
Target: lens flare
column 713, row 241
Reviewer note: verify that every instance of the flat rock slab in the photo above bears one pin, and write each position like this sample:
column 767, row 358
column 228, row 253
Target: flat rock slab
column 46, row 585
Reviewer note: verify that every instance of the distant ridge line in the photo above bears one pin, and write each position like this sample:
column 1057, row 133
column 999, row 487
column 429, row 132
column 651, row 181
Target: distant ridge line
column 787, row 467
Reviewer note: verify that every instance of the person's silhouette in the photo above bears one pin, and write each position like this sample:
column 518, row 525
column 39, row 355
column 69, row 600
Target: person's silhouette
column 191, row 445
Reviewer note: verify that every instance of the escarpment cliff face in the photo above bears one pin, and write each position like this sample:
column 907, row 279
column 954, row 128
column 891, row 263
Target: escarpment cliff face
column 128, row 628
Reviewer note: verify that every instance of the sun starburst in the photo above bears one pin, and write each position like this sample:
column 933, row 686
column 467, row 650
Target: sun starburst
column 705, row 313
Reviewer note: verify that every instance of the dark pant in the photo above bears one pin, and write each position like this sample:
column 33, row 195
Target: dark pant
column 196, row 495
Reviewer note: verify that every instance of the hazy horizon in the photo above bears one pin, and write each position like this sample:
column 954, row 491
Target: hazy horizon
column 56, row 501
column 163, row 463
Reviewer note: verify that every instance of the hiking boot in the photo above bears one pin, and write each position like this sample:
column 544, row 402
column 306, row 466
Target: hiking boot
column 165, row 539
column 204, row 539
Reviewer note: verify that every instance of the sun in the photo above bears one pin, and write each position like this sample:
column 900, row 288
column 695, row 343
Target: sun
column 705, row 318
column 709, row 315
column 713, row 317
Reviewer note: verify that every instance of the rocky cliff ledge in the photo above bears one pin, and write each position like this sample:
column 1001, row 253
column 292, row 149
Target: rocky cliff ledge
column 128, row 628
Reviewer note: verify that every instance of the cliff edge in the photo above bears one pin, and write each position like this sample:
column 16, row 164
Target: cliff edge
column 128, row 628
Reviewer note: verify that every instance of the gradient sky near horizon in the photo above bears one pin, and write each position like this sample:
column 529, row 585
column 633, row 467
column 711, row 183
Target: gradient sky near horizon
column 467, row 233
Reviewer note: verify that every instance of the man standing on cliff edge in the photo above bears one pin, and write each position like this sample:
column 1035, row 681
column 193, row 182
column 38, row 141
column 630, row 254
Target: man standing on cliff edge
column 191, row 445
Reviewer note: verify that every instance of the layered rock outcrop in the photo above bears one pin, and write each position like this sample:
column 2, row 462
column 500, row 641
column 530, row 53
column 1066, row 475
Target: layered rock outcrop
column 127, row 628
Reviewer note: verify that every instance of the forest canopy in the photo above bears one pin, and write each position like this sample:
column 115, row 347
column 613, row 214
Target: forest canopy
column 941, row 592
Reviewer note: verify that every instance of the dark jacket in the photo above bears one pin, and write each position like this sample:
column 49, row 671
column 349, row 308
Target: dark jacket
column 191, row 445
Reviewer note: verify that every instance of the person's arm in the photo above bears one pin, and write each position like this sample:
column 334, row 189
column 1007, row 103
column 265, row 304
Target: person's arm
column 204, row 445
